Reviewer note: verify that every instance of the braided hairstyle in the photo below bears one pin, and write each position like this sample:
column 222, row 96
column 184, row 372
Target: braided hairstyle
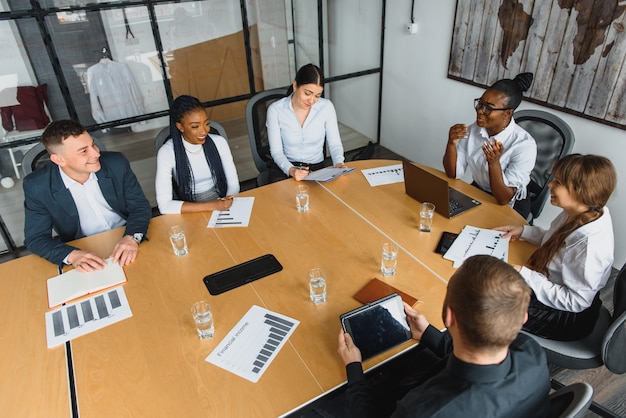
column 513, row 88
column 591, row 180
column 183, row 181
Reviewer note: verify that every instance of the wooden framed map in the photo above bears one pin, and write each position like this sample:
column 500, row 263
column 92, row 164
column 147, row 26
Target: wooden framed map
column 575, row 48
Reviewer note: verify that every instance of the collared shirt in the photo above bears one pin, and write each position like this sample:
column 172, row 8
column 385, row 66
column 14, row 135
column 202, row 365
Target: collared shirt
column 290, row 142
column 94, row 212
column 517, row 387
column 579, row 269
column 517, row 159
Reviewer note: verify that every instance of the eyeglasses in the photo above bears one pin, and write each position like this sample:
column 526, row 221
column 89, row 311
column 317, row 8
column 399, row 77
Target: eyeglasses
column 478, row 105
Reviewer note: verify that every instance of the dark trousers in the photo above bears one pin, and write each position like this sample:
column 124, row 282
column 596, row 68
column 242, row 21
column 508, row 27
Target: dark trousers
column 554, row 324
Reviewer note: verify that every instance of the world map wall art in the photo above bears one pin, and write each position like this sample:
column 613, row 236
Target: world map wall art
column 575, row 48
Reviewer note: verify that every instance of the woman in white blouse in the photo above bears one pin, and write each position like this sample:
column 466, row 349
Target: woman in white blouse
column 195, row 169
column 574, row 260
column 298, row 125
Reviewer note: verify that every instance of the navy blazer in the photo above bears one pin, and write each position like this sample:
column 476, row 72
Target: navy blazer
column 49, row 204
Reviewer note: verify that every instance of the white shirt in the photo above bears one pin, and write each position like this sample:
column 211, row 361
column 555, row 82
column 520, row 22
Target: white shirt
column 517, row 159
column 580, row 268
column 203, row 179
column 289, row 141
column 113, row 92
column 94, row 212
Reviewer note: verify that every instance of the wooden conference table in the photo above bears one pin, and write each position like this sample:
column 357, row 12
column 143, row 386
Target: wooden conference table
column 153, row 363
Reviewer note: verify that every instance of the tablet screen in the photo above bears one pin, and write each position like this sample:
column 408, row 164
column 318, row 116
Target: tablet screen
column 378, row 326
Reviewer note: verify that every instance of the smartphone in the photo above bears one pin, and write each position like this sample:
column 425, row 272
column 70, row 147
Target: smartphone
column 447, row 238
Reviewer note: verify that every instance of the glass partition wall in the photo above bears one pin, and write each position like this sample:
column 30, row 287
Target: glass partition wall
column 115, row 66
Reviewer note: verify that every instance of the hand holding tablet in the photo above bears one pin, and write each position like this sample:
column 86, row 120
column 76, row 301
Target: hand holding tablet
column 377, row 326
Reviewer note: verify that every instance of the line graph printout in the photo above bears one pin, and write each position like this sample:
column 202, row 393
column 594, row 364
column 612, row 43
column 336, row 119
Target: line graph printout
column 251, row 346
column 87, row 315
column 473, row 241
column 384, row 175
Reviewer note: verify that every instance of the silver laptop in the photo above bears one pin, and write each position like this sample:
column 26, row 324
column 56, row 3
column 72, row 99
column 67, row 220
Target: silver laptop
column 424, row 186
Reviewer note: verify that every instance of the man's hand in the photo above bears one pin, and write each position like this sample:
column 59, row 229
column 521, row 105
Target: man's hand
column 349, row 352
column 125, row 251
column 85, row 261
column 417, row 322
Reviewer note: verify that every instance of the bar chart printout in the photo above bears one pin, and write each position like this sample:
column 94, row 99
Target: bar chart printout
column 87, row 315
column 251, row 346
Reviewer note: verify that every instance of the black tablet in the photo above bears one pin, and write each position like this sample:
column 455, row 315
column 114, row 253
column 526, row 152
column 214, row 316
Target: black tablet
column 377, row 326
column 241, row 274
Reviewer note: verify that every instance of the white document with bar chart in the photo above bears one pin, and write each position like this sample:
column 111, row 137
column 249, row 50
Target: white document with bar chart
column 87, row 315
column 252, row 345
column 238, row 214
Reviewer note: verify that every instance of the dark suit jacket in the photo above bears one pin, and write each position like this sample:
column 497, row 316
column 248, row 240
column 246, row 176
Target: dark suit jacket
column 48, row 204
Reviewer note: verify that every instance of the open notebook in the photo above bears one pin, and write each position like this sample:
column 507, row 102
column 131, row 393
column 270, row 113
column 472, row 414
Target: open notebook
column 74, row 284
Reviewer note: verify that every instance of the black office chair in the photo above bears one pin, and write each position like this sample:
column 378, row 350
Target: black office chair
column 164, row 134
column 570, row 401
column 604, row 346
column 554, row 139
column 38, row 156
column 256, row 111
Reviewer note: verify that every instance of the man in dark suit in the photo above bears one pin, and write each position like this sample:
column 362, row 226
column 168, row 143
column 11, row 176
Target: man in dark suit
column 82, row 192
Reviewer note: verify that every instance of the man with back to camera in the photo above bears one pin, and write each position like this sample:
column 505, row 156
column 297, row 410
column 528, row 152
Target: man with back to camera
column 490, row 369
column 83, row 193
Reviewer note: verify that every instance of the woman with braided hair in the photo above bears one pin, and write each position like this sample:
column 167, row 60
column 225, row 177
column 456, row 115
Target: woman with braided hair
column 195, row 170
column 497, row 152
column 574, row 260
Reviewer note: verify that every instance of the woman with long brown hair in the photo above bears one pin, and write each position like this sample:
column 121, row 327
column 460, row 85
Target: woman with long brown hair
column 575, row 255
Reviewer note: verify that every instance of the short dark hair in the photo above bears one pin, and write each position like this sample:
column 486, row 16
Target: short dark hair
column 513, row 89
column 489, row 299
column 58, row 131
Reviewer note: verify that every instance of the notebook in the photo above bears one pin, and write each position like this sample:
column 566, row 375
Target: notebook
column 427, row 187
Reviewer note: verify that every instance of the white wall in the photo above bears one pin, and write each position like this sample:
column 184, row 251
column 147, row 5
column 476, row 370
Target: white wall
column 420, row 103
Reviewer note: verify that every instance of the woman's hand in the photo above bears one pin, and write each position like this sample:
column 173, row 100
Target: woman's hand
column 299, row 173
column 457, row 132
column 341, row 165
column 513, row 232
column 493, row 151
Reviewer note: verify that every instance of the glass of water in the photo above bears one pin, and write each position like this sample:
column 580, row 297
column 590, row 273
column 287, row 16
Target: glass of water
column 203, row 317
column 302, row 198
column 317, row 285
column 178, row 240
column 427, row 210
column 389, row 259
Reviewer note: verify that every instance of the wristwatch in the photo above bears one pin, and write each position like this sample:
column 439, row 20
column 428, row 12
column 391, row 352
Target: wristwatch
column 138, row 237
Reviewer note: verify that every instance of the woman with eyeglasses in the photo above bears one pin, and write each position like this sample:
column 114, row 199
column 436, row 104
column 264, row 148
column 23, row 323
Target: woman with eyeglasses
column 575, row 257
column 497, row 152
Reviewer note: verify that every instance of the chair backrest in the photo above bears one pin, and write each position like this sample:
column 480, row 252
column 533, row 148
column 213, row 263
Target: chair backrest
column 571, row 401
column 256, row 112
column 554, row 139
column 614, row 341
column 38, row 156
column 164, row 134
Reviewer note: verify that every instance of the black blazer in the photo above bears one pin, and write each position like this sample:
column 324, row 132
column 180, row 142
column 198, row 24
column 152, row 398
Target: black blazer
column 48, row 204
